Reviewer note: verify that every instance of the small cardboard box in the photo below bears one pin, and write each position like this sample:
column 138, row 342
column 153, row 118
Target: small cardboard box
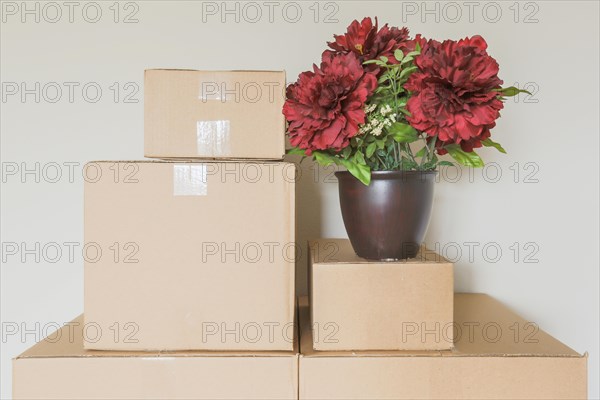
column 214, row 114
column 189, row 256
column 60, row 368
column 359, row 304
column 497, row 355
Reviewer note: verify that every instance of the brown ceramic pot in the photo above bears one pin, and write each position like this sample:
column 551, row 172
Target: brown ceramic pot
column 387, row 220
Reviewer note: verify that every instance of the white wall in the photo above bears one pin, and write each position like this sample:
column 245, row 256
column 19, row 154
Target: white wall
column 554, row 45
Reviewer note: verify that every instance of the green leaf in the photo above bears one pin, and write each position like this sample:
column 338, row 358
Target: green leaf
column 490, row 143
column 431, row 164
column 346, row 152
column 511, row 91
column 324, row 159
column 398, row 55
column 361, row 172
column 295, row 150
column 446, row 163
column 462, row 157
column 407, row 164
column 402, row 133
column 371, row 149
column 406, row 60
column 407, row 71
column 359, row 158
column 421, row 152
column 384, row 59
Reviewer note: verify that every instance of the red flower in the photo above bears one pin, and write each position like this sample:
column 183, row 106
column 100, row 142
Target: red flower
column 325, row 106
column 387, row 41
column 358, row 38
column 452, row 92
column 367, row 42
column 411, row 45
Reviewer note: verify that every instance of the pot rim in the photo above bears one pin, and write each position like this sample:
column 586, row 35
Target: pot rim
column 388, row 174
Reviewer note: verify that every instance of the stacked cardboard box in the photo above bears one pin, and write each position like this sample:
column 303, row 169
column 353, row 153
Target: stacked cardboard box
column 214, row 114
column 60, row 368
column 189, row 282
column 211, row 266
column 496, row 355
column 395, row 330
column 189, row 260
column 211, row 241
column 357, row 304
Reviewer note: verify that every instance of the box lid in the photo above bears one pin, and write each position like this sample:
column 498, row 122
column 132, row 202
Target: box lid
column 475, row 310
column 340, row 251
column 67, row 342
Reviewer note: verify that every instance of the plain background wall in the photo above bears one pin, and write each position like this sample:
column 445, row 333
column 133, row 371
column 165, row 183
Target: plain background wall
column 541, row 213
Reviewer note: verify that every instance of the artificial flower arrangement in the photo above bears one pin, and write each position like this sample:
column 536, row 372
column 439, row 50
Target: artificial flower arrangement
column 377, row 92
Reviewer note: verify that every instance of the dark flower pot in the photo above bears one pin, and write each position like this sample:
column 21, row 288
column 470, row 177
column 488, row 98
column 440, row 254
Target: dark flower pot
column 388, row 219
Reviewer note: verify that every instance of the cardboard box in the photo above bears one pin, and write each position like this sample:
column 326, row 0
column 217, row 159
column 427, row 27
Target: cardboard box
column 214, row 114
column 497, row 355
column 189, row 256
column 59, row 368
column 359, row 304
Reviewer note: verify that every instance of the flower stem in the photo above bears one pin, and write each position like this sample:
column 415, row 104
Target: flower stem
column 381, row 161
column 426, row 157
column 431, row 150
column 410, row 153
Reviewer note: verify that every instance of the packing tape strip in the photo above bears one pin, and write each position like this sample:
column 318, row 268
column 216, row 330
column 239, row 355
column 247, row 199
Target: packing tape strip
column 189, row 180
column 212, row 137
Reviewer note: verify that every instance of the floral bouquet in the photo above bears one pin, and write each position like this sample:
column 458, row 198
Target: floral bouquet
column 378, row 93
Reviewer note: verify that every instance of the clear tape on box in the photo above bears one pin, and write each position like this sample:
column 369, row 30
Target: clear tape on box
column 189, row 180
column 212, row 138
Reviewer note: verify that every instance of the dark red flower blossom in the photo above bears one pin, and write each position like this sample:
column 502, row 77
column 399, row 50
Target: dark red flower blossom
column 358, row 38
column 366, row 41
column 388, row 40
column 325, row 106
column 411, row 44
column 452, row 92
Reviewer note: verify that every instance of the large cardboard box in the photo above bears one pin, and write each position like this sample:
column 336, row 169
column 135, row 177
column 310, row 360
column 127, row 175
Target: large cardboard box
column 59, row 368
column 359, row 304
column 497, row 355
column 189, row 256
column 214, row 114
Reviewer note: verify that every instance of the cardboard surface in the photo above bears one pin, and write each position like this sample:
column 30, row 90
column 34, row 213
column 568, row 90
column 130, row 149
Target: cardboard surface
column 359, row 304
column 189, row 256
column 214, row 114
column 486, row 363
column 60, row 368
